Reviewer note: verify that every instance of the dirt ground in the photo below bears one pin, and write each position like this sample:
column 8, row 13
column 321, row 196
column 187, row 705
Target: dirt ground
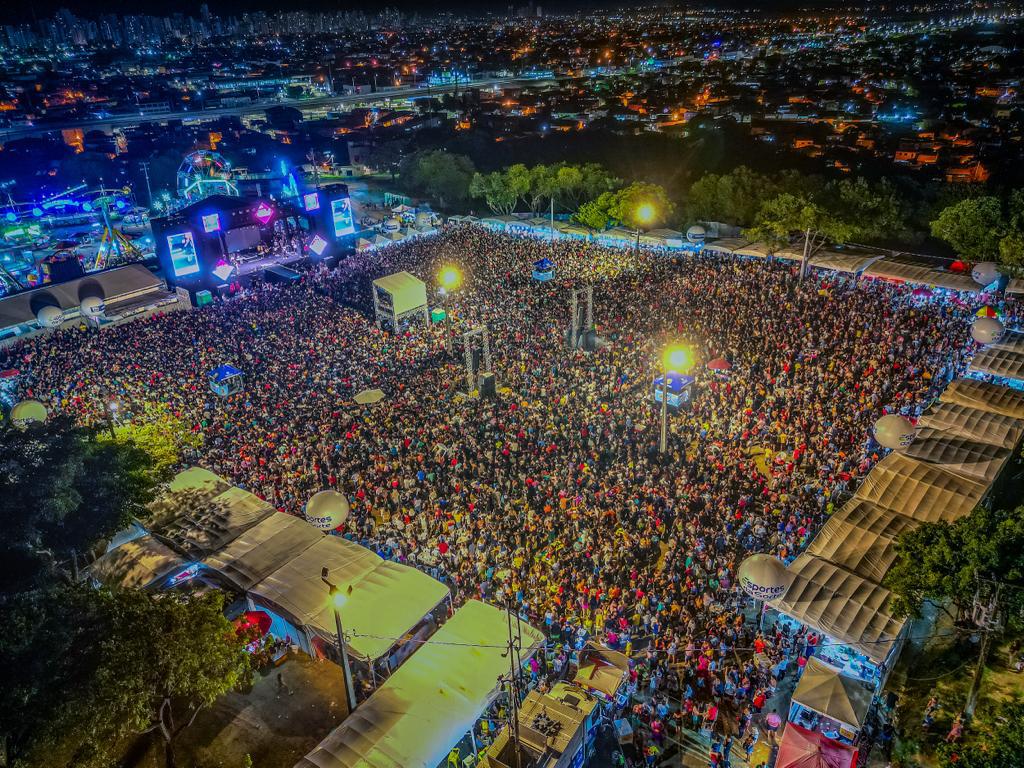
column 275, row 727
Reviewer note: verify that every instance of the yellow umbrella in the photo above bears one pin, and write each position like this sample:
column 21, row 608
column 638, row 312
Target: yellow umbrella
column 369, row 396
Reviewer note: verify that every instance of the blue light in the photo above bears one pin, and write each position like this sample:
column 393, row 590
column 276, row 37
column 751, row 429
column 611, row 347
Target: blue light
column 12, row 216
column 119, row 205
column 86, row 207
column 37, row 211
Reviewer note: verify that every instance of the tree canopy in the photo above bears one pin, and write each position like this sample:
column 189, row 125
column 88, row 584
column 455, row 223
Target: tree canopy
column 441, row 176
column 733, row 198
column 568, row 186
column 973, row 227
column 996, row 747
column 940, row 562
column 638, row 206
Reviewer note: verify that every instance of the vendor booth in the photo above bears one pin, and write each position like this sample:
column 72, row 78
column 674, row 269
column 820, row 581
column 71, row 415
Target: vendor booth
column 803, row 748
column 398, row 298
column 544, row 270
column 680, row 389
column 226, row 380
column 830, row 703
column 602, row 671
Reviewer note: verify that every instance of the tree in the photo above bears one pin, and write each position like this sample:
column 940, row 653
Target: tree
column 786, row 213
column 596, row 214
column 875, row 212
column 439, row 175
column 1011, row 252
column 501, row 190
column 130, row 663
column 638, row 206
column 973, row 227
column 61, row 490
column 543, row 185
column 943, row 562
column 161, row 435
column 734, row 198
column 576, row 184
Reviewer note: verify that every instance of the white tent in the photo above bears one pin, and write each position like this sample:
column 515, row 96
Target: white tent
column 973, row 423
column 903, row 269
column 415, row 718
column 996, row 360
column 847, row 607
column 861, row 538
column 670, row 238
column 726, row 245
column 1015, row 286
column 136, row 564
column 986, row 396
column 852, row 261
column 974, row 459
column 823, row 690
column 925, row 492
column 756, row 250
column 384, row 600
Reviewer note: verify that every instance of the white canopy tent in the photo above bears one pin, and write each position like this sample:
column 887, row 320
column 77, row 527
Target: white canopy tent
column 136, row 564
column 997, row 361
column 861, row 538
column 974, row 424
column 415, row 718
column 850, row 261
column 922, row 491
column 755, row 250
column 903, row 269
column 1015, row 287
column 974, row 459
column 846, row 606
column 823, row 690
column 726, row 245
column 993, row 398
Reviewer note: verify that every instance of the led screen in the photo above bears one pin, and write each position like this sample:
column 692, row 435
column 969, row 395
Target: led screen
column 317, row 245
column 211, row 222
column 184, row 260
column 311, row 201
column 342, row 213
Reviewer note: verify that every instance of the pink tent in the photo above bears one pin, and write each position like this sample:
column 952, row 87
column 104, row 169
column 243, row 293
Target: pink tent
column 719, row 364
column 803, row 748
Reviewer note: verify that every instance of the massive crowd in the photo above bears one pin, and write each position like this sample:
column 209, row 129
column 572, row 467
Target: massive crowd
column 554, row 494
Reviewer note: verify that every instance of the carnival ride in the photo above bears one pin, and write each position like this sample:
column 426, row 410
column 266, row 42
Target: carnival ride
column 79, row 230
column 203, row 173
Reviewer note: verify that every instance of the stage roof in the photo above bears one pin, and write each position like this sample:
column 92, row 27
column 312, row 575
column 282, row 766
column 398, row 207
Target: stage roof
column 415, row 718
column 408, row 292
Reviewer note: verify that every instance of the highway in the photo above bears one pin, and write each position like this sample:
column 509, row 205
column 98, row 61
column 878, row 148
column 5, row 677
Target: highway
column 108, row 124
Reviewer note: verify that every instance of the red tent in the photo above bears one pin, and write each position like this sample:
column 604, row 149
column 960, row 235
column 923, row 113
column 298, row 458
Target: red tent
column 719, row 364
column 802, row 748
column 258, row 622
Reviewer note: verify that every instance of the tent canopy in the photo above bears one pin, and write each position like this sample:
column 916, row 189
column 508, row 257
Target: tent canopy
column 726, row 244
column 823, row 690
column 974, row 424
column 846, row 606
column 966, row 456
column 136, row 564
column 415, row 718
column 802, row 748
column 926, row 492
column 986, row 396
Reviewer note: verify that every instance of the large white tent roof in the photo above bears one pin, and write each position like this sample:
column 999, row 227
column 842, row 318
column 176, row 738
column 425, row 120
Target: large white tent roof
column 861, row 538
column 1004, row 358
column 262, row 549
column 136, row 563
column 964, row 455
column 925, row 492
column 417, row 716
column 383, row 600
column 851, row 261
column 903, row 269
column 846, row 606
column 726, row 244
column 993, row 398
column 973, row 423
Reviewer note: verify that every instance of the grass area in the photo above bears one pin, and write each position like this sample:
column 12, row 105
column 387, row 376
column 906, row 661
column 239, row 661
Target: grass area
column 945, row 669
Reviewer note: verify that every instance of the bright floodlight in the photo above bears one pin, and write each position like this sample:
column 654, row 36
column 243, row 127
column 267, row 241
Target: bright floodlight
column 450, row 277
column 338, row 598
column 678, row 359
column 645, row 213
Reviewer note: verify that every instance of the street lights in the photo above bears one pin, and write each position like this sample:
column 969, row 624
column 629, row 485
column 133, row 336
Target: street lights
column 110, row 410
column 449, row 279
column 677, row 359
column 337, row 601
column 645, row 214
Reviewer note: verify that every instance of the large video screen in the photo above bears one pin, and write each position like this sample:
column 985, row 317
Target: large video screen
column 342, row 212
column 184, row 260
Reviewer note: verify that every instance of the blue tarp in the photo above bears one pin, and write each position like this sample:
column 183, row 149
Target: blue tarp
column 223, row 373
column 543, row 265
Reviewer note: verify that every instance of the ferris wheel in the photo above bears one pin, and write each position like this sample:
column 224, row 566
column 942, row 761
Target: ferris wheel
column 203, row 173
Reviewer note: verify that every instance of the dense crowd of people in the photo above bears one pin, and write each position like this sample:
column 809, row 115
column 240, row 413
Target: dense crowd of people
column 554, row 495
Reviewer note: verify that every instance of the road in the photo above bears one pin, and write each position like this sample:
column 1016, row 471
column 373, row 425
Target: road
column 107, row 124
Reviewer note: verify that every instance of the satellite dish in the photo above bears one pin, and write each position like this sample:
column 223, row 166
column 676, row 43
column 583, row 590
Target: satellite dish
column 895, row 432
column 764, row 577
column 27, row 412
column 327, row 510
column 49, row 316
column 92, row 307
column 985, row 273
column 986, row 330
column 696, row 234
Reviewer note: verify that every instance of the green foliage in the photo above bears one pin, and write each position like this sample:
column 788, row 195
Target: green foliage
column 787, row 213
column 973, row 227
column 996, row 747
column 161, row 435
column 874, row 212
column 625, row 207
column 568, row 185
column 939, row 562
column 734, row 197
column 439, row 175
column 62, row 490
column 1011, row 252
column 129, row 662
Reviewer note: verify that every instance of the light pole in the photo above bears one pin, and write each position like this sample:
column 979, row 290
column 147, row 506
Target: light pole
column 644, row 215
column 449, row 278
column 338, row 600
column 110, row 409
column 675, row 360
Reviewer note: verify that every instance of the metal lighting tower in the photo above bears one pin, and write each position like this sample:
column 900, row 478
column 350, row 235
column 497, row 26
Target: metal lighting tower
column 585, row 294
column 469, row 341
